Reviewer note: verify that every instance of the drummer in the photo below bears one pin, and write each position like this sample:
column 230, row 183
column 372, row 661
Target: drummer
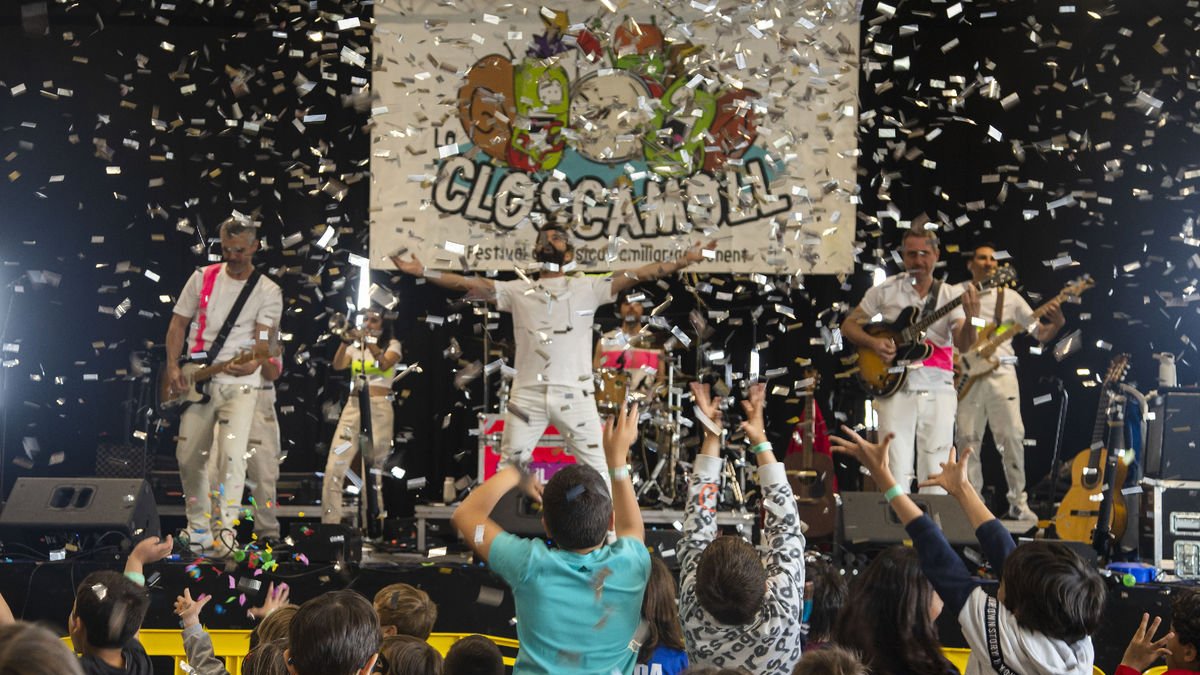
column 630, row 348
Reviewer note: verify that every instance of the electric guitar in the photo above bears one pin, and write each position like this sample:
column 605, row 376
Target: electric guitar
column 980, row 360
column 1079, row 513
column 173, row 402
column 881, row 378
column 811, row 475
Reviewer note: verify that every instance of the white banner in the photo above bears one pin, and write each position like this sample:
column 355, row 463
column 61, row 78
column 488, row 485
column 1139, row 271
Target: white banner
column 645, row 126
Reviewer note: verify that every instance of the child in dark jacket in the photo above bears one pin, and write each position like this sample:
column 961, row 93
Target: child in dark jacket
column 1050, row 600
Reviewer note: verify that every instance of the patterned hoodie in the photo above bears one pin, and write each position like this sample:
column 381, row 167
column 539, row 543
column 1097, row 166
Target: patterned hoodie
column 770, row 644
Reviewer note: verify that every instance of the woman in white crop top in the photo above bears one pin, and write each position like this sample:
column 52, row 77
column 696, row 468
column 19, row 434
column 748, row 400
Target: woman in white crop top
column 371, row 354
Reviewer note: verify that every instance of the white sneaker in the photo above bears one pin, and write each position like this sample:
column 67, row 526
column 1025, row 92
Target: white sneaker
column 1020, row 512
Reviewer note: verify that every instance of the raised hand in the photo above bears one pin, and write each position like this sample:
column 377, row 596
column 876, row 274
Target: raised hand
column 753, row 426
column 953, row 478
column 620, row 433
column 709, row 406
column 277, row 596
column 873, row 456
column 188, row 609
column 1143, row 649
column 695, row 253
column 412, row 267
column 151, row 550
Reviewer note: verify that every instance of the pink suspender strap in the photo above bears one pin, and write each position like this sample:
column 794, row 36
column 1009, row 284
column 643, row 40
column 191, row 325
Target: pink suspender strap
column 206, row 289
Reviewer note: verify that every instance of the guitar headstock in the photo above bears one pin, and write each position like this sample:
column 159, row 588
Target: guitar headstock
column 812, row 378
column 1077, row 287
column 1003, row 276
column 1117, row 369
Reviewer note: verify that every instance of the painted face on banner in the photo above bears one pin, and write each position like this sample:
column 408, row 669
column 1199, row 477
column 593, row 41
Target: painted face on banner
column 542, row 107
column 606, row 118
column 676, row 147
column 734, row 128
column 640, row 48
column 486, row 105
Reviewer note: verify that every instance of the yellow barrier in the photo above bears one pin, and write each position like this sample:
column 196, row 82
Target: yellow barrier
column 959, row 655
column 232, row 646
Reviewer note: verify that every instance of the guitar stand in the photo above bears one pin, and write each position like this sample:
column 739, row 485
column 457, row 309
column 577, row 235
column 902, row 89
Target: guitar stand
column 1056, row 461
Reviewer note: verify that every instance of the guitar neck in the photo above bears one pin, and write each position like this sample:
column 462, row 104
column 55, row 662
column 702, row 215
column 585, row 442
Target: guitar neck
column 910, row 334
column 998, row 339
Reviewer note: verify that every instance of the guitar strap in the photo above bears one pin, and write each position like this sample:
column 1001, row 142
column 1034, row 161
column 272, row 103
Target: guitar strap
column 234, row 312
column 999, row 313
column 931, row 300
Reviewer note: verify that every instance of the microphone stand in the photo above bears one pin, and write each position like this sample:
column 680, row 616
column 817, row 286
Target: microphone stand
column 366, row 441
column 4, row 402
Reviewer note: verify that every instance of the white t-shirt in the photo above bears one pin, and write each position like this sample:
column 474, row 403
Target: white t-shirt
column 1016, row 310
column 552, row 325
column 265, row 305
column 896, row 293
column 376, row 377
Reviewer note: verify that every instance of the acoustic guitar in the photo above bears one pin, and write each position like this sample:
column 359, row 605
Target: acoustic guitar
column 981, row 359
column 881, row 378
column 1079, row 513
column 811, row 476
column 172, row 403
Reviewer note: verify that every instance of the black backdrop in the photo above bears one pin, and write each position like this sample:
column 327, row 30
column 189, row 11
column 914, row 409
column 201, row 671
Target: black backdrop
column 115, row 186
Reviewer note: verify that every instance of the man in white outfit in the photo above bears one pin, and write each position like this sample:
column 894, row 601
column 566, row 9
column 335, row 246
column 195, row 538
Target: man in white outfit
column 995, row 398
column 552, row 326
column 201, row 310
column 921, row 413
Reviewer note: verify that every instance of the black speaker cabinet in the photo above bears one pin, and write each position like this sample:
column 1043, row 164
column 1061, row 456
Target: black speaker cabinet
column 1173, row 436
column 63, row 507
column 519, row 515
column 868, row 520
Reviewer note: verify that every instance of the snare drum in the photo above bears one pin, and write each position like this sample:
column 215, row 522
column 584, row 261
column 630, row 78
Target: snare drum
column 612, row 387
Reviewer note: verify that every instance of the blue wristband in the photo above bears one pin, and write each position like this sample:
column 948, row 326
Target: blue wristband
column 760, row 447
column 893, row 492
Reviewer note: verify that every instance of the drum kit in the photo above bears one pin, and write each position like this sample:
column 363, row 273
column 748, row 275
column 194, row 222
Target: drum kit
column 658, row 473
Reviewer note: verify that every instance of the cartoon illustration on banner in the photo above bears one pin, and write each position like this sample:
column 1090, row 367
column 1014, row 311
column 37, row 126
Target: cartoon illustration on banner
column 637, row 139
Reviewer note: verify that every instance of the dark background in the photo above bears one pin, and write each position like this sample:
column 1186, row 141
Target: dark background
column 187, row 160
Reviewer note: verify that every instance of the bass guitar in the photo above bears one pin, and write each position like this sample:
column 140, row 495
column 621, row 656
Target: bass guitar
column 981, row 359
column 1079, row 513
column 811, row 475
column 173, row 402
column 881, row 378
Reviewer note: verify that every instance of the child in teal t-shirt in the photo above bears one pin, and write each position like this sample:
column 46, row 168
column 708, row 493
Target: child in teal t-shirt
column 578, row 606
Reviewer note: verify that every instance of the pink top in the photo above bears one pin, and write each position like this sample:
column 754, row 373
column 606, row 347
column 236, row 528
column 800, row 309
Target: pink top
column 630, row 359
column 942, row 357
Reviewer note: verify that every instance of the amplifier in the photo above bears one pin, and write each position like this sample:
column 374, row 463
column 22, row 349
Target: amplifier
column 868, row 519
column 1170, row 526
column 1173, row 436
column 326, row 543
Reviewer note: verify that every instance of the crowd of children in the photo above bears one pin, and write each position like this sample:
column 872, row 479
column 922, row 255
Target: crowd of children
column 597, row 602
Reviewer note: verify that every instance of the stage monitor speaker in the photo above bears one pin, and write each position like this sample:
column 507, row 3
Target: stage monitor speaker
column 1172, row 448
column 39, row 507
column 519, row 515
column 867, row 519
column 326, row 542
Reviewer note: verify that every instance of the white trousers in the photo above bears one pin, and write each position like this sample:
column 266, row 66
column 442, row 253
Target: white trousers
column 343, row 453
column 262, row 464
column 923, row 422
column 228, row 417
column 572, row 411
column 995, row 401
